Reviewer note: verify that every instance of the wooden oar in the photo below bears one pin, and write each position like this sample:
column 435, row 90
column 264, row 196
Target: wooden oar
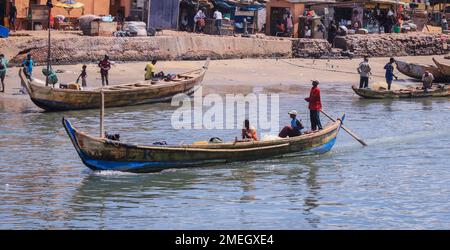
column 347, row 130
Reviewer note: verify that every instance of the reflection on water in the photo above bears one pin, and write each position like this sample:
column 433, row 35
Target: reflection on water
column 399, row 181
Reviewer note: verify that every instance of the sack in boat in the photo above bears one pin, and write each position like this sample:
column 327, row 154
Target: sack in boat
column 160, row 143
column 113, row 137
column 215, row 140
column 170, row 77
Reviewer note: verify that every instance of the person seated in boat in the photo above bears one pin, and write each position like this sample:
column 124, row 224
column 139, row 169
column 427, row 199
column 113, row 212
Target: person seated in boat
column 427, row 80
column 150, row 70
column 249, row 132
column 389, row 67
column 294, row 129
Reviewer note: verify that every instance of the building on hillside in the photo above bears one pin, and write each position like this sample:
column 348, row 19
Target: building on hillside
column 276, row 11
column 96, row 7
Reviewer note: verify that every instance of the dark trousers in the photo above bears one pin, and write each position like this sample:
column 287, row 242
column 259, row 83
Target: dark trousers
column 2, row 79
column 289, row 131
column 389, row 82
column 104, row 78
column 363, row 82
column 218, row 26
column 315, row 119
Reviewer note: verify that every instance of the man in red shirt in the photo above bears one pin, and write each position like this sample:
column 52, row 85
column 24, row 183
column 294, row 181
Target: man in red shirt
column 315, row 106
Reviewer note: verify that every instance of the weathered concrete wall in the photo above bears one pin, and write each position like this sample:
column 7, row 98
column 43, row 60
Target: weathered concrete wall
column 78, row 49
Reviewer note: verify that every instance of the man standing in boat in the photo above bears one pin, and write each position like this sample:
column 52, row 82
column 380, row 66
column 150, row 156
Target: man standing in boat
column 427, row 80
column 105, row 66
column 389, row 67
column 315, row 106
column 364, row 71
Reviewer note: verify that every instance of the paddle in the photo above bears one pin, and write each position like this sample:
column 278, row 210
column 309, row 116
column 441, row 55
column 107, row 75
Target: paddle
column 347, row 130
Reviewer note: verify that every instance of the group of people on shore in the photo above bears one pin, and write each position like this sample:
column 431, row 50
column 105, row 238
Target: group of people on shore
column 199, row 23
column 295, row 128
column 365, row 71
column 104, row 65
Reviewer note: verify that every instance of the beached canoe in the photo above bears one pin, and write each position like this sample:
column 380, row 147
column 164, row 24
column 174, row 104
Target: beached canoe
column 443, row 67
column 416, row 70
column 143, row 92
column 104, row 154
column 417, row 92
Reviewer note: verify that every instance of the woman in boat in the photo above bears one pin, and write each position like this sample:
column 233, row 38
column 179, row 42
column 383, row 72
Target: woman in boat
column 295, row 129
column 249, row 132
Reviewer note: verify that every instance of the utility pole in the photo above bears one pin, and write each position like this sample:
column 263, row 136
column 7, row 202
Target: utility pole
column 49, row 6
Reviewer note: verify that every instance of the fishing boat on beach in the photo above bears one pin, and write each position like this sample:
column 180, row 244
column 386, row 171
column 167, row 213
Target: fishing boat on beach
column 410, row 92
column 416, row 70
column 444, row 68
column 99, row 153
column 143, row 92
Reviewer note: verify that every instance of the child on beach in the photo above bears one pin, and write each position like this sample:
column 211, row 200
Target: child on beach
column 83, row 76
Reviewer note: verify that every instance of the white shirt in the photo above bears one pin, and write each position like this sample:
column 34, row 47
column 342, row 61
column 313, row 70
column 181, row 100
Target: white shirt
column 217, row 15
column 199, row 15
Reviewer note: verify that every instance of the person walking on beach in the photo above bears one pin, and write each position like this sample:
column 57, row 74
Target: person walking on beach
column 199, row 20
column 315, row 106
column 218, row 21
column 427, row 80
column 364, row 71
column 150, row 70
column 12, row 16
column 3, row 68
column 389, row 67
column 105, row 66
column 27, row 66
column 83, row 76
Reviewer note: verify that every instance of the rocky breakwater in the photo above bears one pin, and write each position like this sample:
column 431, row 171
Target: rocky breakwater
column 314, row 48
column 71, row 49
column 387, row 45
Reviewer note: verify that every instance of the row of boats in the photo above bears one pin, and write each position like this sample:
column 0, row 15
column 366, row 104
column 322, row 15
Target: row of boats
column 440, row 71
column 101, row 153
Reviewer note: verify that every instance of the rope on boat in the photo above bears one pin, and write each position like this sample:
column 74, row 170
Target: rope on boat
column 330, row 70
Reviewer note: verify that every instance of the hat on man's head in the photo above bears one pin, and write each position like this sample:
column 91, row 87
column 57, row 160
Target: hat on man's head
column 292, row 112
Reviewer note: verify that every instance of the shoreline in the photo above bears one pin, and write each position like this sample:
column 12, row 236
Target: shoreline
column 232, row 75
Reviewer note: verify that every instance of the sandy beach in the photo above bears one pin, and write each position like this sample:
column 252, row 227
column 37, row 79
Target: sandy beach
column 230, row 76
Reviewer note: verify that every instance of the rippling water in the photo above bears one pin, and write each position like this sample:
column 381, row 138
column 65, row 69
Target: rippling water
column 401, row 181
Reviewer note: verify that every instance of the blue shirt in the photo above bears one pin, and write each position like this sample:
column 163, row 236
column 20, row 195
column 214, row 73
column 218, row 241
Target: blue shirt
column 5, row 63
column 29, row 65
column 294, row 124
column 389, row 71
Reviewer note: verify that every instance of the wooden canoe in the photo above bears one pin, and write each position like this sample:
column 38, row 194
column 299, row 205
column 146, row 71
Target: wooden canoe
column 443, row 67
column 416, row 70
column 435, row 91
column 143, row 92
column 104, row 154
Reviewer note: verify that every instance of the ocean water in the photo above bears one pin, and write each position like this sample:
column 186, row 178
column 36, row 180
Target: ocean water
column 400, row 181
